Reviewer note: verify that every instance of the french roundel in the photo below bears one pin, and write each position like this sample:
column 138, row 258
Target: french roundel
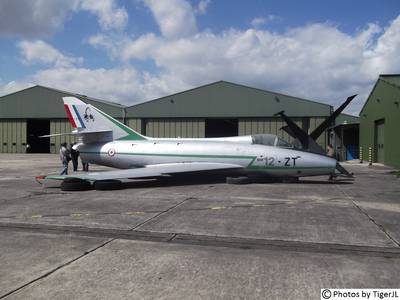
column 111, row 152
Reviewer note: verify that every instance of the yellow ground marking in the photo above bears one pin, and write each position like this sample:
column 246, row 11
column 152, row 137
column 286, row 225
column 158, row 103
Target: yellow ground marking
column 77, row 215
column 217, row 207
column 134, row 213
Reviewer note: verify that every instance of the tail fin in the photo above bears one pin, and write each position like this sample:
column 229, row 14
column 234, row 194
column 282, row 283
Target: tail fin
column 88, row 120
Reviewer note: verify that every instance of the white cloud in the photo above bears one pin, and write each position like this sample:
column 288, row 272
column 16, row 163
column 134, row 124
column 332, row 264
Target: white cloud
column 260, row 21
column 174, row 17
column 317, row 61
column 110, row 16
column 140, row 48
column 102, row 83
column 38, row 18
column 13, row 86
column 32, row 18
column 123, row 85
column 202, row 6
column 111, row 43
column 385, row 54
column 41, row 52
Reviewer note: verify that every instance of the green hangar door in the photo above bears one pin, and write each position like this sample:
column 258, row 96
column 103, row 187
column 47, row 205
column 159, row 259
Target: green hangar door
column 34, row 129
column 221, row 127
column 379, row 140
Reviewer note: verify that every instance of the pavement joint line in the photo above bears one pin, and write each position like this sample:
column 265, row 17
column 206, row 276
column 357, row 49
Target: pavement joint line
column 162, row 213
column 172, row 238
column 380, row 226
column 78, row 214
column 130, row 213
column 206, row 240
column 87, row 252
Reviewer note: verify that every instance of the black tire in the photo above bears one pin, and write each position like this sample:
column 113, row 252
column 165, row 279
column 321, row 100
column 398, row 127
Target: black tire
column 107, row 185
column 262, row 179
column 238, row 180
column 73, row 180
column 75, row 184
column 290, row 180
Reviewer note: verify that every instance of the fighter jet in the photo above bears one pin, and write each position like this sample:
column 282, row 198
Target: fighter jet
column 104, row 140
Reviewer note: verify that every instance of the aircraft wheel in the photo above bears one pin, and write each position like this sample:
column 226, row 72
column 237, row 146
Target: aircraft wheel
column 290, row 179
column 262, row 179
column 238, row 180
column 107, row 185
column 75, row 184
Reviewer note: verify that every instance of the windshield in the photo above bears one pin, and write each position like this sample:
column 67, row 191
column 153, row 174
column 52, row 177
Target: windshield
column 270, row 140
column 283, row 144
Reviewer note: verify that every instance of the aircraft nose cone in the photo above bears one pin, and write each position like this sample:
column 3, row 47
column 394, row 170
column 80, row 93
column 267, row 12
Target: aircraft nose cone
column 330, row 162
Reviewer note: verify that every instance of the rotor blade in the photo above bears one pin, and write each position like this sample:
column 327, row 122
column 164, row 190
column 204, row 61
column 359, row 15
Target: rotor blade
column 300, row 135
column 324, row 125
column 295, row 131
column 288, row 131
column 342, row 170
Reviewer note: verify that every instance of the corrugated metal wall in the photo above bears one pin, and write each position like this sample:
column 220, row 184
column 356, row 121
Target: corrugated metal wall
column 266, row 125
column 314, row 123
column 13, row 136
column 173, row 128
column 13, row 132
column 60, row 126
column 195, row 128
column 135, row 124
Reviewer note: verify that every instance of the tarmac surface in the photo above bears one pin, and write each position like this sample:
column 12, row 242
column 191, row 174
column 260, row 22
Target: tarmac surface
column 196, row 238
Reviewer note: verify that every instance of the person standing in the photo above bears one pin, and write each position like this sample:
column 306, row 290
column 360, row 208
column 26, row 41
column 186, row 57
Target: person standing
column 65, row 158
column 74, row 157
column 85, row 166
column 331, row 153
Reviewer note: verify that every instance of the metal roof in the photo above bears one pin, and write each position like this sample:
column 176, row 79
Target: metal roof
column 44, row 102
column 393, row 79
column 344, row 119
column 226, row 99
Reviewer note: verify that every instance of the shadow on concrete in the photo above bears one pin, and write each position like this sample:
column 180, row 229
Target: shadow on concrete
column 185, row 180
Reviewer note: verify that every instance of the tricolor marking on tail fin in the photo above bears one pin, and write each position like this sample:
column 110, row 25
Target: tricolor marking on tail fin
column 74, row 116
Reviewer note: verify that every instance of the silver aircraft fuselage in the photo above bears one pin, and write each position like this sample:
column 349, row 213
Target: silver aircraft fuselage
column 254, row 158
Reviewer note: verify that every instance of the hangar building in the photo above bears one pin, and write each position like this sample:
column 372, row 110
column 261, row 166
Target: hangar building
column 344, row 135
column 380, row 122
column 224, row 109
column 36, row 111
column 217, row 109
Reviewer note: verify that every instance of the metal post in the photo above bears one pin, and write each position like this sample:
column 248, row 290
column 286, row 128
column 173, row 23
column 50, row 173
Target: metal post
column 361, row 155
column 370, row 155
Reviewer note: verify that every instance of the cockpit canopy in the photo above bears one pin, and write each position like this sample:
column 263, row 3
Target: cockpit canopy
column 270, row 140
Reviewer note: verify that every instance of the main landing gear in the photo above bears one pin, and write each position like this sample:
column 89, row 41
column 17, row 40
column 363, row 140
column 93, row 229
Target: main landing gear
column 77, row 184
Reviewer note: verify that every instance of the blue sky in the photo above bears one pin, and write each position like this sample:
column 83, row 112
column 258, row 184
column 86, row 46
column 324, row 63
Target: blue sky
column 136, row 50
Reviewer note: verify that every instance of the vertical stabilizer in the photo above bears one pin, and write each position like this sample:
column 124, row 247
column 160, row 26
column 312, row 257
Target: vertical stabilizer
column 87, row 119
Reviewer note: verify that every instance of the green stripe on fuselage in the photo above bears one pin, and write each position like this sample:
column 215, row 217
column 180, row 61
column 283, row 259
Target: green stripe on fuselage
column 250, row 166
